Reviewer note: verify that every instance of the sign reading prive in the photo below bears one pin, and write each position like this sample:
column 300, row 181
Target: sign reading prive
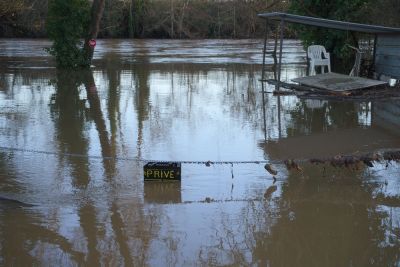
column 165, row 171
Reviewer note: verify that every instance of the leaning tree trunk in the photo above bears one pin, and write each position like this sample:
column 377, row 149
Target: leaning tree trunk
column 94, row 26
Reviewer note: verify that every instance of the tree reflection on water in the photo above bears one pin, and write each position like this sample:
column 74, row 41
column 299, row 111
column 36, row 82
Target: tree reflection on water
column 318, row 220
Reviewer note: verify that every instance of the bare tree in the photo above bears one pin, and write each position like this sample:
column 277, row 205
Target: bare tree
column 96, row 14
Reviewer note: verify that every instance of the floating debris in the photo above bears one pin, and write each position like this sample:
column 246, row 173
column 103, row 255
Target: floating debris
column 270, row 190
column 291, row 164
column 350, row 161
column 270, row 169
column 13, row 202
column 368, row 163
column 317, row 161
column 208, row 200
column 392, row 155
column 391, row 201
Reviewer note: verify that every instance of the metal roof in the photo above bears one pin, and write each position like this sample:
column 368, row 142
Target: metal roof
column 327, row 23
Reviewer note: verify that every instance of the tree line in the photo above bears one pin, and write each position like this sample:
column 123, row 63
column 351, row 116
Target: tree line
column 193, row 18
column 150, row 18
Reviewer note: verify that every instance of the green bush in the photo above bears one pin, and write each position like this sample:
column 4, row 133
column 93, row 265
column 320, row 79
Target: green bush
column 67, row 23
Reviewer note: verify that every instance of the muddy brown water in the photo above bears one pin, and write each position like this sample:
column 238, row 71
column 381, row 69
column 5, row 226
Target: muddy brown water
column 63, row 202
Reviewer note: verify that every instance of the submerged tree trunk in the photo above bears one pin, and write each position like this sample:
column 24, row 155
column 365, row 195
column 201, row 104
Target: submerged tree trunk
column 94, row 26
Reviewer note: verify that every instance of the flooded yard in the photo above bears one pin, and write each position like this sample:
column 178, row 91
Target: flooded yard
column 73, row 146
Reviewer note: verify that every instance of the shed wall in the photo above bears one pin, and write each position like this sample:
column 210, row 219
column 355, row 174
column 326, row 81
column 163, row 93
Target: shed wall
column 387, row 55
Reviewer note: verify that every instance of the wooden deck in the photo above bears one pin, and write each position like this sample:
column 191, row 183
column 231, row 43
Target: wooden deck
column 337, row 82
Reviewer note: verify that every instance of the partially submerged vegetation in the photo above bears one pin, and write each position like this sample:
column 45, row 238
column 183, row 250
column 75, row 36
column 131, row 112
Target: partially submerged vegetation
column 351, row 162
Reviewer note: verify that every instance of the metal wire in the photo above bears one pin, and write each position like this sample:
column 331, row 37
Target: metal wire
column 136, row 159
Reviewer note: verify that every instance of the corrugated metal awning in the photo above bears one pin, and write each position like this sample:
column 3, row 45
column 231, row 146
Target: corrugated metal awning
column 332, row 24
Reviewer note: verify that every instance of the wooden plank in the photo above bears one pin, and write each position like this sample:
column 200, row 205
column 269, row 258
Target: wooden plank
column 292, row 86
column 337, row 82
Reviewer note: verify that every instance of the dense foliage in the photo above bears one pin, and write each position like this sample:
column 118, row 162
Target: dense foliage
column 154, row 18
column 193, row 18
column 67, row 24
column 334, row 40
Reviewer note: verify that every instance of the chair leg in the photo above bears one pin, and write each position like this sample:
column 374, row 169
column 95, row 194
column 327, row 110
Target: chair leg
column 312, row 69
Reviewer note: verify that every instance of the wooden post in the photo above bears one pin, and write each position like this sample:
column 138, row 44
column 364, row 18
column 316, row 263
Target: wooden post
column 264, row 52
column 280, row 54
column 374, row 53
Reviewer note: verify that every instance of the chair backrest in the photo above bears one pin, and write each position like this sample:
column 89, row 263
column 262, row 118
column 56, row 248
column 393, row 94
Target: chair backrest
column 316, row 51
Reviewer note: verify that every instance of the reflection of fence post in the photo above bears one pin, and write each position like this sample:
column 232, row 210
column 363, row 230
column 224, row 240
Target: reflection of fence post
column 264, row 111
column 279, row 117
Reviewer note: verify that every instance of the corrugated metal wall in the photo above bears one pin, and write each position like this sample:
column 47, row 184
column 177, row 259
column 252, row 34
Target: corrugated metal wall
column 387, row 56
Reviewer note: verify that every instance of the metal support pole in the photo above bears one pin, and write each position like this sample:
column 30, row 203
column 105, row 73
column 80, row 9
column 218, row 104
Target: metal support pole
column 372, row 68
column 274, row 53
column 278, row 85
column 275, row 43
column 264, row 51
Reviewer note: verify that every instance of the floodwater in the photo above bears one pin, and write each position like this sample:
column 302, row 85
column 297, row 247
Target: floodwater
column 73, row 146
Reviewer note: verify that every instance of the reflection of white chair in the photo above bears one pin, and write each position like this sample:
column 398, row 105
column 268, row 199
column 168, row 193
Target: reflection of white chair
column 318, row 57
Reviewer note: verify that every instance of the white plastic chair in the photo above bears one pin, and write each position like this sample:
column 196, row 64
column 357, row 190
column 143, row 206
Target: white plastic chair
column 318, row 57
